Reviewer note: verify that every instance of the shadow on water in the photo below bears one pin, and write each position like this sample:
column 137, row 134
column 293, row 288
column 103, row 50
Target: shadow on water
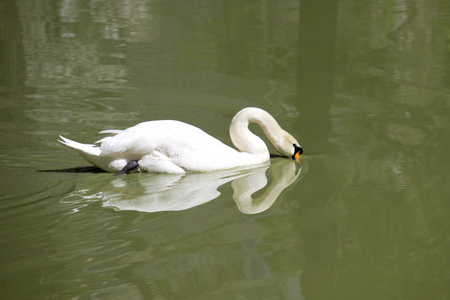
column 12, row 58
column 87, row 169
column 316, row 47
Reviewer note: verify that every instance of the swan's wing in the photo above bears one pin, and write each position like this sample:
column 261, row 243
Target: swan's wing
column 111, row 131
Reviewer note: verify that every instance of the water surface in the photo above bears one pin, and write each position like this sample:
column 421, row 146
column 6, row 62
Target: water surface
column 365, row 88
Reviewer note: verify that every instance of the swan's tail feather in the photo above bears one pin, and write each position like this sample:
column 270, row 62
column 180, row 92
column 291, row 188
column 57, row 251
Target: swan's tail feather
column 82, row 148
column 89, row 152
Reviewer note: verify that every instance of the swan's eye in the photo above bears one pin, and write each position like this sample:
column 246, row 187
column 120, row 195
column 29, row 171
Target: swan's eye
column 297, row 151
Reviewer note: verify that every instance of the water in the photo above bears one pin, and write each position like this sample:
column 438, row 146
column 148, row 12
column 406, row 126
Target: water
column 363, row 86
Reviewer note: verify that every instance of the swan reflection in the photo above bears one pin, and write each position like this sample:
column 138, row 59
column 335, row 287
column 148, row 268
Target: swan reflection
column 164, row 192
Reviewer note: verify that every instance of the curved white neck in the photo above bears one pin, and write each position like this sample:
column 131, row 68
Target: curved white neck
column 245, row 140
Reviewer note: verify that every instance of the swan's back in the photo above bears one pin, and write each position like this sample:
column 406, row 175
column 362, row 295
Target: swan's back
column 166, row 135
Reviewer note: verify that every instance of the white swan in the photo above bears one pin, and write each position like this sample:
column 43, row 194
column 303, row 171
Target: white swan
column 175, row 147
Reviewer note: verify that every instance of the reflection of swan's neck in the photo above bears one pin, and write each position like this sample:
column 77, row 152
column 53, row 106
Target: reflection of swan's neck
column 246, row 141
column 283, row 175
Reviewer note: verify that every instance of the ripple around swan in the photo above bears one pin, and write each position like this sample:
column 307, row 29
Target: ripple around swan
column 18, row 201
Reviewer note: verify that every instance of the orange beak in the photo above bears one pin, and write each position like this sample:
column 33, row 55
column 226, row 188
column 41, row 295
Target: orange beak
column 297, row 151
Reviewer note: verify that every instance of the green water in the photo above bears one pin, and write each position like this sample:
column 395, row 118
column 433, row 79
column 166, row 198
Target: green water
column 363, row 85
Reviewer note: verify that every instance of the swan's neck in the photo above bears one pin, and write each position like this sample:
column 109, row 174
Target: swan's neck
column 245, row 140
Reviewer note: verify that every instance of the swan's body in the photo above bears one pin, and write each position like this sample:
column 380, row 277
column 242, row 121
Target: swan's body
column 169, row 146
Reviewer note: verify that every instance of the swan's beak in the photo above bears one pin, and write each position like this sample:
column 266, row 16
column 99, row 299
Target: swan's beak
column 297, row 151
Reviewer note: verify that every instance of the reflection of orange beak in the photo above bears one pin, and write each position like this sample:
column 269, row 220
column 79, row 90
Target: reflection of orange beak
column 297, row 156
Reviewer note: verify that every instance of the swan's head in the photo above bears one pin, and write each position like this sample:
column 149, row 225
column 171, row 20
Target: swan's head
column 288, row 146
column 246, row 141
